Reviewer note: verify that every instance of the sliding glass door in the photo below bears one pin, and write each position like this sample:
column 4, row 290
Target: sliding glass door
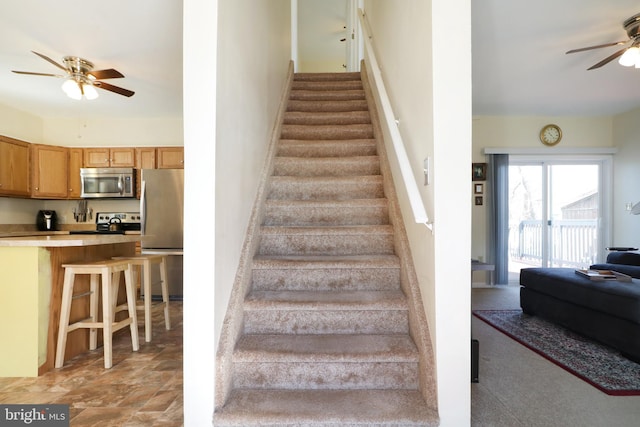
column 556, row 210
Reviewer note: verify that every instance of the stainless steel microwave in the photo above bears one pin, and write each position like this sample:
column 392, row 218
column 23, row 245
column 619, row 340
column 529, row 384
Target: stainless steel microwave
column 107, row 183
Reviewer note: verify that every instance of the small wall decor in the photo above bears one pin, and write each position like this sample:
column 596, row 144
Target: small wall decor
column 479, row 171
column 477, row 188
column 478, row 200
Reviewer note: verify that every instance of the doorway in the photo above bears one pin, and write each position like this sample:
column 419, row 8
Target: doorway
column 325, row 35
column 556, row 213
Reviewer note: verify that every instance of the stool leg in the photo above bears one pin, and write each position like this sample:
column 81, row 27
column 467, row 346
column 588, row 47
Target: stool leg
column 93, row 310
column 165, row 292
column 65, row 309
column 131, row 303
column 107, row 317
column 115, row 278
column 146, row 272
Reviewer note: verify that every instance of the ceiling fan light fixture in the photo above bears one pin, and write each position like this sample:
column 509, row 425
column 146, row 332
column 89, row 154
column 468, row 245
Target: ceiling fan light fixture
column 631, row 57
column 76, row 89
column 72, row 89
column 90, row 92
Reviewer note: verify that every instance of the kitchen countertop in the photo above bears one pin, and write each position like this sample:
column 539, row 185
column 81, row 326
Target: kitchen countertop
column 64, row 239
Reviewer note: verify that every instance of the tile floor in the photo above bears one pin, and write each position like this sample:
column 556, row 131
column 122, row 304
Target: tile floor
column 142, row 388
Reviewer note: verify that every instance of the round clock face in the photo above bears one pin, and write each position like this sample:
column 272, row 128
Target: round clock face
column 550, row 135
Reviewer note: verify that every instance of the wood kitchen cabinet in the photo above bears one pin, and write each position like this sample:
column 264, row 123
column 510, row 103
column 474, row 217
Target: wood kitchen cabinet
column 170, row 157
column 145, row 159
column 75, row 164
column 14, row 167
column 121, row 157
column 49, row 171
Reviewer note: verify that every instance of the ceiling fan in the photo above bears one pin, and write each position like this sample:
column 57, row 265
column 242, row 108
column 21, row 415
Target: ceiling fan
column 630, row 54
column 81, row 79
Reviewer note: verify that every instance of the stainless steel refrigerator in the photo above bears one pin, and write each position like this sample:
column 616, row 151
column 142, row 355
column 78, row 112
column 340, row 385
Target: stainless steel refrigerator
column 162, row 213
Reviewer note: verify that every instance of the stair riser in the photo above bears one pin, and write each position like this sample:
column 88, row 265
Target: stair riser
column 327, row 85
column 327, row 132
column 317, row 95
column 316, row 216
column 326, row 106
column 329, row 279
column 335, row 119
column 323, row 77
column 293, row 189
column 364, row 244
column 326, row 149
column 326, row 167
column 326, row 322
column 327, row 375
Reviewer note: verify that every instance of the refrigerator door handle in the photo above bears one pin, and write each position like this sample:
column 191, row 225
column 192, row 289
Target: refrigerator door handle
column 143, row 207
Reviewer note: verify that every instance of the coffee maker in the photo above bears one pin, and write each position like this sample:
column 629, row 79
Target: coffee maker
column 47, row 221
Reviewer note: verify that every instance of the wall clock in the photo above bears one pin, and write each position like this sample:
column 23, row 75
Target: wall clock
column 550, row 134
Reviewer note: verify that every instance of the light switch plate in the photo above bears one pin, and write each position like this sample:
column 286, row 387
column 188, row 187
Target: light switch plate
column 426, row 171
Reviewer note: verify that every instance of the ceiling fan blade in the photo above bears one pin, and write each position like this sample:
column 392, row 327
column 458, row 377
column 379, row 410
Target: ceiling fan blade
column 46, row 58
column 109, row 73
column 582, row 49
column 608, row 59
column 37, row 74
column 115, row 89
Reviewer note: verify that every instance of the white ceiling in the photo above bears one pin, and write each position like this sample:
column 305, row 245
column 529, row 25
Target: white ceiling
column 518, row 49
column 141, row 38
column 520, row 66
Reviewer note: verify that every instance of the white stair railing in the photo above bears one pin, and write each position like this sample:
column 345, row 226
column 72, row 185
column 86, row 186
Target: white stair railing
column 411, row 186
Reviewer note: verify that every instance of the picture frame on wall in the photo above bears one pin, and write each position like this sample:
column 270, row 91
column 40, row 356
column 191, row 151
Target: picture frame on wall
column 479, row 171
column 478, row 200
column 477, row 188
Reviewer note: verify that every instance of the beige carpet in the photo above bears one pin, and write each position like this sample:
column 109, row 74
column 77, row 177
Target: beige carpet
column 326, row 337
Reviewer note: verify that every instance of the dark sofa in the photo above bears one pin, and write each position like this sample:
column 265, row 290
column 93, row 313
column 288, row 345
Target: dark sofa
column 607, row 311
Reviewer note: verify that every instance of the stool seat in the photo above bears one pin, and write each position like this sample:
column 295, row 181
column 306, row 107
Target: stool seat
column 145, row 261
column 108, row 273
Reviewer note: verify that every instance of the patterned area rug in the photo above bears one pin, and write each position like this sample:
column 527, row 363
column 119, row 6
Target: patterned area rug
column 599, row 365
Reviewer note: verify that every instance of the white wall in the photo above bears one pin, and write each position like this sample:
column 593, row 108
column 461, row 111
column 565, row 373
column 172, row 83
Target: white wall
column 20, row 125
column 626, row 170
column 253, row 59
column 228, row 124
column 105, row 132
column 523, row 132
column 431, row 96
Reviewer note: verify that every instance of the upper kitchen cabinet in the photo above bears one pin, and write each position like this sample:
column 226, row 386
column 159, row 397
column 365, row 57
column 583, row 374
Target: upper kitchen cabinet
column 14, row 167
column 75, row 164
column 145, row 159
column 121, row 157
column 170, row 157
column 49, row 171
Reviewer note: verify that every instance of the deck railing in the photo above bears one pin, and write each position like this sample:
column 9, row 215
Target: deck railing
column 574, row 242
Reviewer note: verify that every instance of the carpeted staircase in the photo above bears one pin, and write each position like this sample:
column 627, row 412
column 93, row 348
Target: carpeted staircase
column 326, row 337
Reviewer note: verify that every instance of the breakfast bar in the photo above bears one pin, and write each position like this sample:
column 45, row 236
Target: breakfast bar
column 31, row 279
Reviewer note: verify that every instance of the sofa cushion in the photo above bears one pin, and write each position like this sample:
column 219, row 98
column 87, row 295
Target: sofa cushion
column 629, row 270
column 620, row 299
column 621, row 257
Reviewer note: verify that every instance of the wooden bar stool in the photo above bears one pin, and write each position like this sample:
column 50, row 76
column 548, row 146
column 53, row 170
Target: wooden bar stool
column 145, row 261
column 109, row 271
